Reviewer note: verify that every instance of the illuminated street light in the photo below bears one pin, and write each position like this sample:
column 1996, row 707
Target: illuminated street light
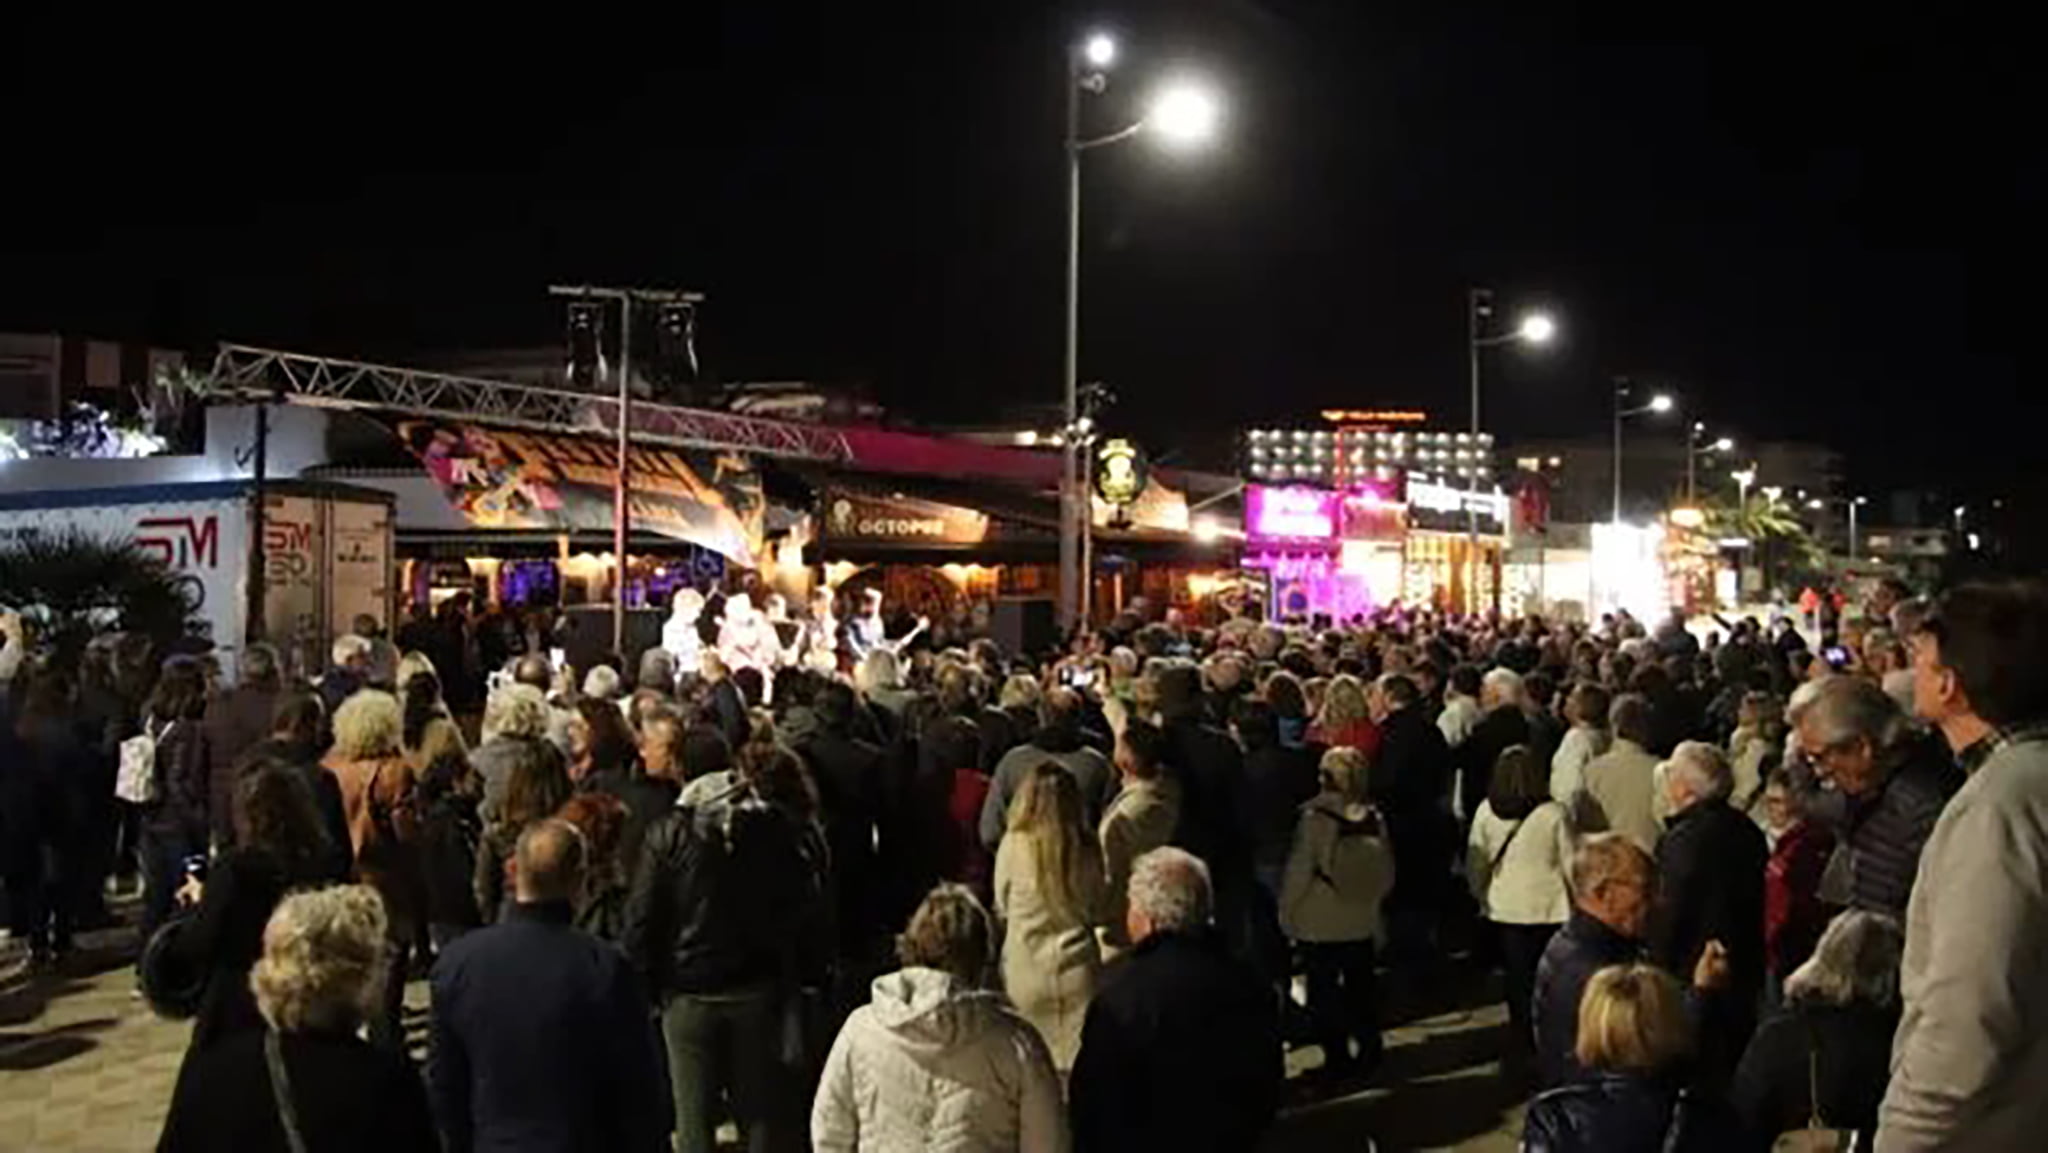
column 1725, row 444
column 1659, row 403
column 1183, row 115
column 1536, row 328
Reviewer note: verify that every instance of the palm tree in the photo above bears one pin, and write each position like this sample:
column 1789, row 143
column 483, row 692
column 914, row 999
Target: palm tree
column 1771, row 525
column 71, row 587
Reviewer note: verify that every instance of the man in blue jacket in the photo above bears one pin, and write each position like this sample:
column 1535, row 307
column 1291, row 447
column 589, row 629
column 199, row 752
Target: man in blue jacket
column 542, row 1035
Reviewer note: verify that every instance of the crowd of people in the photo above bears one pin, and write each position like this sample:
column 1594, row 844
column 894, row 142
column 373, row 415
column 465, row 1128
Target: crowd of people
column 866, row 890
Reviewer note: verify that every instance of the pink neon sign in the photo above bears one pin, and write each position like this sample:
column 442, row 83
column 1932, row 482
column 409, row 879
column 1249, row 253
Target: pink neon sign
column 1291, row 513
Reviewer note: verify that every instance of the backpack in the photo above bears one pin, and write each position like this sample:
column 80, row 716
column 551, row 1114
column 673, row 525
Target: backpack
column 136, row 782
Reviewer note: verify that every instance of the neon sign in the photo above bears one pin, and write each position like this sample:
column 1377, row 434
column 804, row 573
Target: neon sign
column 1293, row 513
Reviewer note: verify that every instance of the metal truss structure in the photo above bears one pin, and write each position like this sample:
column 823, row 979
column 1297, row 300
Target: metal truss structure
column 242, row 371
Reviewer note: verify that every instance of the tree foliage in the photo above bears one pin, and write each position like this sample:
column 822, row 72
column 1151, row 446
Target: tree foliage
column 1767, row 523
column 71, row 587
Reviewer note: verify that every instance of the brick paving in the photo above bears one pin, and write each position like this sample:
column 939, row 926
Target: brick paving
column 87, row 1068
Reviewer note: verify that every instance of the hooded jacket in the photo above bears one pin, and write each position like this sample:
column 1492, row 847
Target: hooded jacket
column 933, row 1064
column 1339, row 871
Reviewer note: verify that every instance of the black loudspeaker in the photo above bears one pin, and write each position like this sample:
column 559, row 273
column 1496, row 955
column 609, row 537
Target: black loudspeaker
column 1024, row 626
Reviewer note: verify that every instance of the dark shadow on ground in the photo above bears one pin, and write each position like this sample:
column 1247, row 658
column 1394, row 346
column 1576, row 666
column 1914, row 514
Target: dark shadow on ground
column 1415, row 1115
column 21, row 1052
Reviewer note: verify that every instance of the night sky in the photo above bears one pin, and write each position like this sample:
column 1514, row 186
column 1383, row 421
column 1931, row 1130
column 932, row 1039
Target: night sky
column 1813, row 224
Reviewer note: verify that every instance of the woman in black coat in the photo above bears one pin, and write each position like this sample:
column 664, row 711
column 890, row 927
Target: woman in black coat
column 320, row 975
column 174, row 826
column 44, row 839
column 1828, row 1050
column 280, row 846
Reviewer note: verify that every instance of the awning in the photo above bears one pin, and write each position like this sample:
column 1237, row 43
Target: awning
column 506, row 479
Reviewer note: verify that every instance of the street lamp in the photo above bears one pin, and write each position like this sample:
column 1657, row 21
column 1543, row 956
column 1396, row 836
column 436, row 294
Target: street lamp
column 1694, row 449
column 1536, row 329
column 1659, row 403
column 1182, row 114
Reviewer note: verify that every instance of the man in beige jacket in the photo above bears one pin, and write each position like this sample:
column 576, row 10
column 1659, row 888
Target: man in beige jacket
column 1620, row 790
column 1970, row 1061
column 1140, row 819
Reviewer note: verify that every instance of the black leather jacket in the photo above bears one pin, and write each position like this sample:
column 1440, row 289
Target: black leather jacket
column 1623, row 1114
column 718, row 899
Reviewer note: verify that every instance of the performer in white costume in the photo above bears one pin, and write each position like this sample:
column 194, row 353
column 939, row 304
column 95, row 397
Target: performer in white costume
column 679, row 633
column 746, row 639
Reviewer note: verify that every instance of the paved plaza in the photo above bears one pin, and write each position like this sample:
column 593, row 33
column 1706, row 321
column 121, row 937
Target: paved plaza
column 85, row 1067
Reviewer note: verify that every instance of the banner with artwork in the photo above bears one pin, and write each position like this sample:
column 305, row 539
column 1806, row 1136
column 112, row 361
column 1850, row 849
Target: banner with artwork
column 515, row 479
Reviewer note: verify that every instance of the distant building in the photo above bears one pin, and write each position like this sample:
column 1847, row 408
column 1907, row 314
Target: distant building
column 1580, row 472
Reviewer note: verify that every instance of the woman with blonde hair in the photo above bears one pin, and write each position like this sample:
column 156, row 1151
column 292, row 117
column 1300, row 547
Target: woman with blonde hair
column 1634, row 1040
column 306, row 1080
column 1049, row 895
column 379, row 796
column 1338, row 871
column 1345, row 718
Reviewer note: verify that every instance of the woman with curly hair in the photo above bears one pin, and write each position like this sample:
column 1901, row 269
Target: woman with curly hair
column 380, row 796
column 601, row 819
column 322, row 971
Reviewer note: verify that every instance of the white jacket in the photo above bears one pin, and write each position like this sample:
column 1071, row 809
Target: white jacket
column 1528, row 888
column 1580, row 745
column 934, row 1065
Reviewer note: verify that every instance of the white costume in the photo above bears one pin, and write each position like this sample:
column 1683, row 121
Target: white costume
column 679, row 633
column 746, row 639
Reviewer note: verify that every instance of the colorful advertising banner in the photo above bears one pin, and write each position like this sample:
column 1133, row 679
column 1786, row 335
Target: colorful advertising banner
column 512, row 479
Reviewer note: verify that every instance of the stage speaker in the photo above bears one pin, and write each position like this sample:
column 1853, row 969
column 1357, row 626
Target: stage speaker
column 1024, row 626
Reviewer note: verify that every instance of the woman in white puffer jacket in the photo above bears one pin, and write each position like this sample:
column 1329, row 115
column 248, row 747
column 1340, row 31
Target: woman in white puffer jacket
column 936, row 1061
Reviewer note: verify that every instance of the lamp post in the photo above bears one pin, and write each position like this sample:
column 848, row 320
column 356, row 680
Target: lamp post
column 1536, row 329
column 1661, row 402
column 1181, row 114
column 1694, row 449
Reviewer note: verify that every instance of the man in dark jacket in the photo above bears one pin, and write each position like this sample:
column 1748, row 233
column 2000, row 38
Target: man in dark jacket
column 541, row 1038
column 1210, row 770
column 1180, row 1049
column 1410, row 782
column 649, row 794
column 1058, row 740
column 296, row 740
column 1711, row 866
column 1502, row 726
column 1888, row 782
column 235, row 722
column 848, row 774
column 1611, row 884
column 711, row 919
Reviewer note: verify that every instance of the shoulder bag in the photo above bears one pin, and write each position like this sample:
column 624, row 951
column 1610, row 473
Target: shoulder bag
column 281, row 1092
column 1816, row 1137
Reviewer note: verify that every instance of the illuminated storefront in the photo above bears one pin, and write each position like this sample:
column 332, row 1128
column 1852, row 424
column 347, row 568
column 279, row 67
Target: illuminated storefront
column 1342, row 553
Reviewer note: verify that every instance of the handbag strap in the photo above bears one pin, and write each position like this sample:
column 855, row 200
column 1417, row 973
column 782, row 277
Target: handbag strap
column 281, row 1092
column 1813, row 1118
column 1501, row 853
